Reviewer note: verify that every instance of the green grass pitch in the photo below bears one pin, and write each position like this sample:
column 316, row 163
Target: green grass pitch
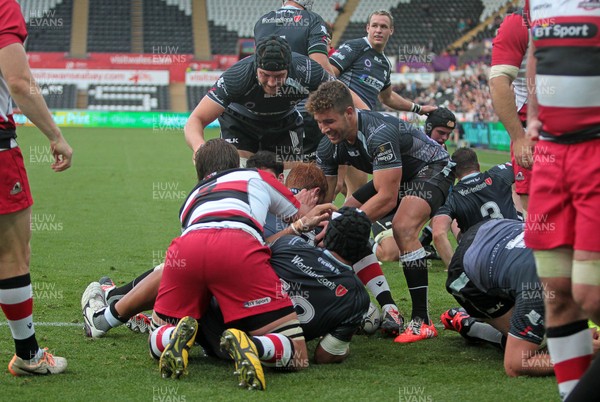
column 116, row 211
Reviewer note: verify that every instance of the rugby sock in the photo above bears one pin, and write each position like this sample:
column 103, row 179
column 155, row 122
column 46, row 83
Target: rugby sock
column 108, row 318
column 159, row 339
column 485, row 332
column 16, row 301
column 570, row 347
column 414, row 266
column 116, row 294
column 274, row 350
column 587, row 388
column 370, row 274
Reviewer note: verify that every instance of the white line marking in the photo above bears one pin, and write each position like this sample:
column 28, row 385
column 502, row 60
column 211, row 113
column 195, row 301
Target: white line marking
column 50, row 324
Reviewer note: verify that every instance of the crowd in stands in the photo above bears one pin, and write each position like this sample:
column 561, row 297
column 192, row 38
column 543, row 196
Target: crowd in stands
column 467, row 93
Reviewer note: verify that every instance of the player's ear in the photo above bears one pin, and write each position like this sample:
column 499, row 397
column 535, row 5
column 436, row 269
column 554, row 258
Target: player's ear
column 349, row 111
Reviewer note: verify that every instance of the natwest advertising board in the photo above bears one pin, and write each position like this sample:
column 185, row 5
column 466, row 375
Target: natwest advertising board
column 176, row 64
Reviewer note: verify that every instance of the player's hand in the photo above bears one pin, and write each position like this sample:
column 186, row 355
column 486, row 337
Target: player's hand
column 595, row 341
column 523, row 150
column 321, row 235
column 307, row 199
column 317, row 215
column 533, row 129
column 62, row 153
column 426, row 109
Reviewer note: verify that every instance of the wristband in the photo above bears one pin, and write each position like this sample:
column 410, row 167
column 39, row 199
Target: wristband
column 416, row 108
column 298, row 232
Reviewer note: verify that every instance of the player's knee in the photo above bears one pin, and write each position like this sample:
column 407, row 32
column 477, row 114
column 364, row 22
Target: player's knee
column 588, row 299
column 387, row 250
column 405, row 232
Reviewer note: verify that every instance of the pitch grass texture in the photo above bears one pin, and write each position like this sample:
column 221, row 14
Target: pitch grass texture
column 116, row 211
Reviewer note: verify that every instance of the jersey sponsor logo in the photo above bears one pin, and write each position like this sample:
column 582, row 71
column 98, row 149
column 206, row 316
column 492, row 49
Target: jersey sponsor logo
column 324, row 30
column 344, row 46
column 589, row 5
column 354, row 153
column 338, row 55
column 385, row 153
column 473, row 189
column 286, row 21
column 329, row 265
column 534, row 317
column 257, row 302
column 377, row 59
column 565, row 31
column 371, row 81
column 488, row 181
column 368, row 63
column 233, row 140
column 340, row 290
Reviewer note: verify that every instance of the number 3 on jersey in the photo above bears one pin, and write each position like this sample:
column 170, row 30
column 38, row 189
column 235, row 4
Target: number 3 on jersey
column 492, row 210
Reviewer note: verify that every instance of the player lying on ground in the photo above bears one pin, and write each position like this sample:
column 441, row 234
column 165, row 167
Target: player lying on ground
column 227, row 207
column 127, row 301
column 493, row 277
column 329, row 298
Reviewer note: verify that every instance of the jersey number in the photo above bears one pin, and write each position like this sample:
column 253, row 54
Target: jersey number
column 492, row 210
column 304, row 309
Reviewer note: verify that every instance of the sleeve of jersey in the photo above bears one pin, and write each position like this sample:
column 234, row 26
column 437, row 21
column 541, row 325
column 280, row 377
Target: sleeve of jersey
column 318, row 37
column 504, row 172
column 283, row 202
column 447, row 208
column 12, row 25
column 325, row 160
column 344, row 57
column 384, row 148
column 510, row 44
column 318, row 75
column 228, row 85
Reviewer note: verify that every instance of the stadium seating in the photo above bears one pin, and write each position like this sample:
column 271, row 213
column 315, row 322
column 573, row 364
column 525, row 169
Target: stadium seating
column 59, row 96
column 228, row 21
column 168, row 27
column 420, row 26
column 128, row 97
column 109, row 26
column 195, row 94
column 48, row 24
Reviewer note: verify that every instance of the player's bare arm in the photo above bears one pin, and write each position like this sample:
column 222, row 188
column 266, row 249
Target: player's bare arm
column 395, row 101
column 506, row 109
column 533, row 123
column 24, row 90
column 441, row 225
column 205, row 113
column 387, row 184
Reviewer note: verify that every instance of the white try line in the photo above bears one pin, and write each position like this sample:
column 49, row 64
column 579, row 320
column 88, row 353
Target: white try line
column 50, row 324
column 73, row 324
